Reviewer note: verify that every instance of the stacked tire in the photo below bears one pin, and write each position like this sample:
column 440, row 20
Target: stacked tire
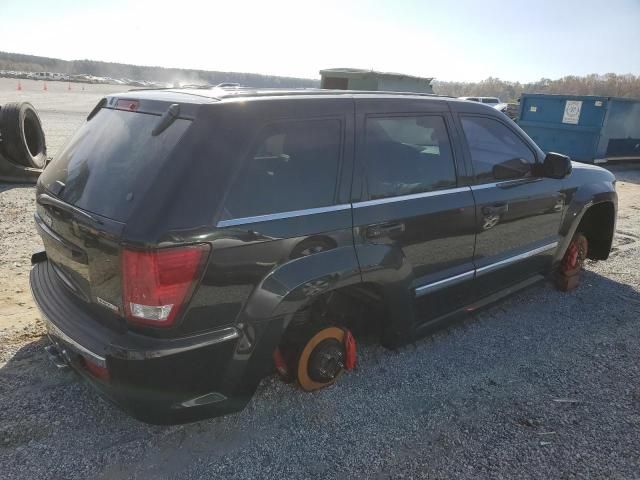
column 22, row 138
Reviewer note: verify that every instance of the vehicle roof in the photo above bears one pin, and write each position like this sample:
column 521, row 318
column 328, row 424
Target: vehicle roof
column 476, row 96
column 213, row 94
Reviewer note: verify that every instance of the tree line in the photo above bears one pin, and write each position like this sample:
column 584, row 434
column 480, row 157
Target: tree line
column 608, row 85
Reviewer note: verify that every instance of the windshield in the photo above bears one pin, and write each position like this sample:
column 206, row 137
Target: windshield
column 110, row 161
column 490, row 100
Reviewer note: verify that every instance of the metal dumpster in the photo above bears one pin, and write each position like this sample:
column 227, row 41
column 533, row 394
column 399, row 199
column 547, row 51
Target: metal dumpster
column 587, row 128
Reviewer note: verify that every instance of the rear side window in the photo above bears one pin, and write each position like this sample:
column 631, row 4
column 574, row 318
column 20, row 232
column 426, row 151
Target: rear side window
column 497, row 152
column 407, row 155
column 292, row 166
column 110, row 161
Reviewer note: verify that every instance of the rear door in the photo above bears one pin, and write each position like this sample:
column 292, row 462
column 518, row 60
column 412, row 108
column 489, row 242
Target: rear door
column 287, row 204
column 518, row 212
column 411, row 205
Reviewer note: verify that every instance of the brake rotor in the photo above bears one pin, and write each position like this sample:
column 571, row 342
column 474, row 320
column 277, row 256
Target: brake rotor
column 575, row 255
column 322, row 359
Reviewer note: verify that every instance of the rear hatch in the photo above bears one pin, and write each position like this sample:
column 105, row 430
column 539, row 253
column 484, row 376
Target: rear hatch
column 88, row 193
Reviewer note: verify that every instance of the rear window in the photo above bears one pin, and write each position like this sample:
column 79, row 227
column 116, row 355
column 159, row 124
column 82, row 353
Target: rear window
column 292, row 166
column 111, row 160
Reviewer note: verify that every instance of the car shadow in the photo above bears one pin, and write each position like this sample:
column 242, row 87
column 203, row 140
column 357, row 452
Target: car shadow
column 44, row 409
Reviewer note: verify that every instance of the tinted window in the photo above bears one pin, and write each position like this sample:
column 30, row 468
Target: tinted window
column 496, row 151
column 292, row 166
column 408, row 155
column 110, row 161
column 490, row 100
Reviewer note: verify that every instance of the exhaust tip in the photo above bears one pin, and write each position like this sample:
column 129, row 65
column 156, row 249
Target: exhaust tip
column 56, row 357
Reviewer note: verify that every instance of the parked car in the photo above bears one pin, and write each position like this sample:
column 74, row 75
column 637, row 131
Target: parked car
column 40, row 76
column 491, row 101
column 222, row 232
column 487, row 100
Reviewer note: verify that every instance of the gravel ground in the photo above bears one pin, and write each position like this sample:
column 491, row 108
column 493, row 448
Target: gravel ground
column 542, row 385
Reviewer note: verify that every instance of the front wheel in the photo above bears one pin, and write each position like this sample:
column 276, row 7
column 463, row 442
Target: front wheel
column 568, row 275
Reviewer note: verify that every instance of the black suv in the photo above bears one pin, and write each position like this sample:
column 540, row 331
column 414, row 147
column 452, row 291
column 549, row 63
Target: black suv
column 196, row 238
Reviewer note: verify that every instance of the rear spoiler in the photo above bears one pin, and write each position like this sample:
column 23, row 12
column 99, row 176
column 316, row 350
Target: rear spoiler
column 173, row 105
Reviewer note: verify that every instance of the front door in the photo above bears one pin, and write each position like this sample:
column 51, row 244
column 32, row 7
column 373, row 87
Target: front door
column 518, row 212
column 413, row 213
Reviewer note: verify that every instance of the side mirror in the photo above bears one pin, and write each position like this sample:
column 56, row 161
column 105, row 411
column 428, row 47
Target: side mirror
column 556, row 165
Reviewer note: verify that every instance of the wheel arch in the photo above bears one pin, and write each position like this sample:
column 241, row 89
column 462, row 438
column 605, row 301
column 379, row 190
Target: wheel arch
column 591, row 208
column 297, row 284
column 384, row 275
column 598, row 225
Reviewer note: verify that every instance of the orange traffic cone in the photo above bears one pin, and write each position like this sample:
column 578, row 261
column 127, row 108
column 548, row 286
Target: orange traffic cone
column 19, row 87
column 45, row 86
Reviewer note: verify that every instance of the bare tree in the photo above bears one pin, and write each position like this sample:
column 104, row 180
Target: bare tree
column 608, row 85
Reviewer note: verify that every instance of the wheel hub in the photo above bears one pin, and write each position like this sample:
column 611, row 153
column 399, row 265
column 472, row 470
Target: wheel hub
column 326, row 361
column 575, row 255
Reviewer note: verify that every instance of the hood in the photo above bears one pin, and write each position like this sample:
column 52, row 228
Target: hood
column 593, row 172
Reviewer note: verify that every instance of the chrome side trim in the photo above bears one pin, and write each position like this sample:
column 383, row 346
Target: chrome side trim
column 277, row 216
column 482, row 186
column 413, row 196
column 56, row 332
column 432, row 287
column 613, row 159
column 502, row 263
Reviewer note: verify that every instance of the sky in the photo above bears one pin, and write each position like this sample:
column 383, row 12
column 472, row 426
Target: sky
column 463, row 40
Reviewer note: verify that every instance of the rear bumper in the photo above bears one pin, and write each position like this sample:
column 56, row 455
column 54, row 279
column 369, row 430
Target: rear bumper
column 156, row 380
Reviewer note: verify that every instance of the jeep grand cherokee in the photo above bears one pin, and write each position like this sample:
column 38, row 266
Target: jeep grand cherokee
column 195, row 239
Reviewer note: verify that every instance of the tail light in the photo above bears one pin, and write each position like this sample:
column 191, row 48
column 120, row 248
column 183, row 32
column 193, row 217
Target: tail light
column 156, row 284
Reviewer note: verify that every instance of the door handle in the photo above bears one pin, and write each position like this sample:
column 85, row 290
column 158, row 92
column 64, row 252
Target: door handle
column 384, row 229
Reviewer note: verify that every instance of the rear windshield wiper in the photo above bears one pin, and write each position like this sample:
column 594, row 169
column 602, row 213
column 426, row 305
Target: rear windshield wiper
column 166, row 119
column 44, row 199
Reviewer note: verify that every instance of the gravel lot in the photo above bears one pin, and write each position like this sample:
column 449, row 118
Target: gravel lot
column 542, row 385
column 61, row 110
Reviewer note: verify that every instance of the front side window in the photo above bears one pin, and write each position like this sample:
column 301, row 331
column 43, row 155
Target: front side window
column 292, row 166
column 407, row 155
column 497, row 153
